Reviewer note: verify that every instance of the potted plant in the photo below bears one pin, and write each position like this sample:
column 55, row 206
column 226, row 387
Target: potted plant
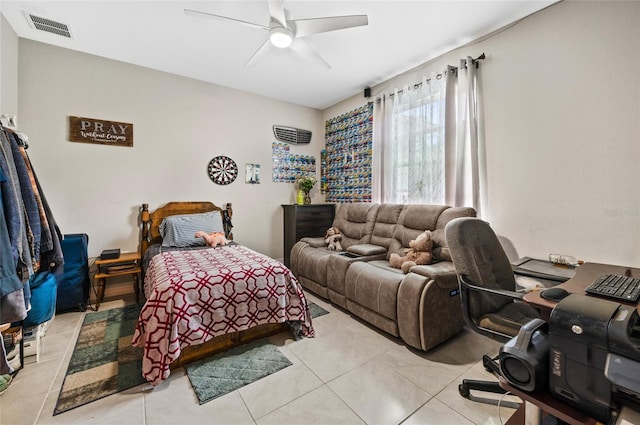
column 305, row 184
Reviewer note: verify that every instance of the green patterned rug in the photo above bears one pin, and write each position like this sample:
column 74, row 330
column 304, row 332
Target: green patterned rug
column 316, row 311
column 104, row 362
column 228, row 371
column 222, row 373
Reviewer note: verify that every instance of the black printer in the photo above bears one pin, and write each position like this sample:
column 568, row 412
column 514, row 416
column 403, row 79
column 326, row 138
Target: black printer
column 594, row 355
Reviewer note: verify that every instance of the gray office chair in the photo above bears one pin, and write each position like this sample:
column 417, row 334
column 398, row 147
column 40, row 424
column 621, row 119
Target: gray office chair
column 490, row 304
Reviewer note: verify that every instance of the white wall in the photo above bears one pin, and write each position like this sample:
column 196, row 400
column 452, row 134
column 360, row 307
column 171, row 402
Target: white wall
column 179, row 125
column 562, row 124
column 562, row 102
column 8, row 68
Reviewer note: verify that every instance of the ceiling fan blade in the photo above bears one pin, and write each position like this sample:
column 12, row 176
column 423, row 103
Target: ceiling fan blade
column 305, row 27
column 306, row 51
column 226, row 18
column 276, row 10
column 258, row 53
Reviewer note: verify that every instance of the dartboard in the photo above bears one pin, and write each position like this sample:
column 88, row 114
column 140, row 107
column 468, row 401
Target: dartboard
column 222, row 170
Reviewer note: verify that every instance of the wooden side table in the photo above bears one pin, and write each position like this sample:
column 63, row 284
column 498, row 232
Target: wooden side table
column 128, row 263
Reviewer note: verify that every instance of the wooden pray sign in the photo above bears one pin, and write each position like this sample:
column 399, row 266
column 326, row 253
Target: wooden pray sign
column 90, row 130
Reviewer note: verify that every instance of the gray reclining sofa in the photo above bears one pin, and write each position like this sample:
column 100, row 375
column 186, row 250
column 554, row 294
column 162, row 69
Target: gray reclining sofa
column 421, row 307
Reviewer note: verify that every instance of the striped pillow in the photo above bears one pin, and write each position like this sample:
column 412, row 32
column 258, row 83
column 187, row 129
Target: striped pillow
column 179, row 230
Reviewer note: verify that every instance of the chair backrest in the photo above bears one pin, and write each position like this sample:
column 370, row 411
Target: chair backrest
column 477, row 254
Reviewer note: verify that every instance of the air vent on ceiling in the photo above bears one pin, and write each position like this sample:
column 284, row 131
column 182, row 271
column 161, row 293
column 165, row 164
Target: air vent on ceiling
column 291, row 135
column 48, row 25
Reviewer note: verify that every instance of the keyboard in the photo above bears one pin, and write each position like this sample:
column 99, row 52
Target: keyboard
column 617, row 287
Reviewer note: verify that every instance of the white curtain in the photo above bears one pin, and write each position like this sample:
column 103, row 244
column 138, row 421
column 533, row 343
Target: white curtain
column 467, row 171
column 428, row 142
column 409, row 144
column 382, row 147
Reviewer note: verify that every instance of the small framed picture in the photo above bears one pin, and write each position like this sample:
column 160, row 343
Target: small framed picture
column 252, row 175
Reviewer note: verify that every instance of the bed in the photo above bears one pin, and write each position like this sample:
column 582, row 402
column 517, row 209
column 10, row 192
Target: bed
column 201, row 300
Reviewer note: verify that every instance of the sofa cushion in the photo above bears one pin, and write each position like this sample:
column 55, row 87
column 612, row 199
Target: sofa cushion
column 385, row 224
column 375, row 286
column 384, row 264
column 367, row 249
column 355, row 221
column 440, row 249
column 421, row 217
column 413, row 220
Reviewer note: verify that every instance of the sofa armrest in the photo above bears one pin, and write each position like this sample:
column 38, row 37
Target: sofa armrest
column 367, row 249
column 314, row 242
column 443, row 273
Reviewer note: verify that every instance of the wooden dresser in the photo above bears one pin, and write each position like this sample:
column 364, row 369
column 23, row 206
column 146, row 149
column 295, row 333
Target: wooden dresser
column 305, row 221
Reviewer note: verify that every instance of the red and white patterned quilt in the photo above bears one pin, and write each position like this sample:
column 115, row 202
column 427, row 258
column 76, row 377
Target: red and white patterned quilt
column 195, row 295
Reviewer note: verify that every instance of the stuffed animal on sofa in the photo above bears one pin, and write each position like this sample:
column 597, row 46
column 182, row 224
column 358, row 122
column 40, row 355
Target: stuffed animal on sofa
column 213, row 239
column 418, row 253
column 333, row 238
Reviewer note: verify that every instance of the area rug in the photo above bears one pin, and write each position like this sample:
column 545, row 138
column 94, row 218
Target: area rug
column 103, row 361
column 222, row 373
column 316, row 310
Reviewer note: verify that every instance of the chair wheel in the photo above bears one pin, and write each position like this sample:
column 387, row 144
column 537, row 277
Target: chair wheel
column 464, row 391
column 486, row 362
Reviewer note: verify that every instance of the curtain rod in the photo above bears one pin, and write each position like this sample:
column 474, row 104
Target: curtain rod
column 476, row 60
column 452, row 70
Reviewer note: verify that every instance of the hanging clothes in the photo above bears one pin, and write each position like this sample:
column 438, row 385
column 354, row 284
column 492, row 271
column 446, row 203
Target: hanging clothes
column 14, row 209
column 51, row 255
column 30, row 205
column 30, row 208
column 30, row 241
column 12, row 305
column 29, row 236
column 9, row 281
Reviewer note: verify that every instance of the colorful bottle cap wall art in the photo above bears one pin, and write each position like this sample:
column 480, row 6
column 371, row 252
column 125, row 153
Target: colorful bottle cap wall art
column 287, row 167
column 347, row 159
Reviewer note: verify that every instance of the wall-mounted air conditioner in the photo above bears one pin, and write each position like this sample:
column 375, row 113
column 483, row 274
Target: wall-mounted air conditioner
column 291, row 135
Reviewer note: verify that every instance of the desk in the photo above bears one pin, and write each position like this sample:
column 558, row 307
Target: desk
column 537, row 402
column 585, row 275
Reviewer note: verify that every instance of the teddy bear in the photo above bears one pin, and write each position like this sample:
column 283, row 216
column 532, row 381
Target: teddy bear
column 333, row 238
column 418, row 253
column 213, row 239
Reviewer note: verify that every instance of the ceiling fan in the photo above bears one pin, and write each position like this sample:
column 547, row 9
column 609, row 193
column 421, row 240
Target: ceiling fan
column 290, row 33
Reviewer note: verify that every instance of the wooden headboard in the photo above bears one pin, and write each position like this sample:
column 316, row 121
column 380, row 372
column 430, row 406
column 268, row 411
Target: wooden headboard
column 150, row 221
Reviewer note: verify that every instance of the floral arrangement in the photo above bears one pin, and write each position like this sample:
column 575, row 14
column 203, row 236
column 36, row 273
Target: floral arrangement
column 306, row 183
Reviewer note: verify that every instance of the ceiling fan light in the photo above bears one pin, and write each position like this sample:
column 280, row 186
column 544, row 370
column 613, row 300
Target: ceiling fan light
column 280, row 37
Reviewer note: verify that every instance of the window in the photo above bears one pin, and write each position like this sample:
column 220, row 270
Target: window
column 411, row 146
column 416, row 166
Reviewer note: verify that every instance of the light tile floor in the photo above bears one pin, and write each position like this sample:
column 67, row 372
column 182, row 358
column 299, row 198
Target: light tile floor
column 350, row 373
